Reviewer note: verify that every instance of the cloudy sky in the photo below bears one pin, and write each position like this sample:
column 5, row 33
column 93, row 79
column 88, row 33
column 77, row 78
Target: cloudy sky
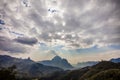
column 78, row 30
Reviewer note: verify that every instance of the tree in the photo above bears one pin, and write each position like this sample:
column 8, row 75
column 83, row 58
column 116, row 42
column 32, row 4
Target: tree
column 8, row 73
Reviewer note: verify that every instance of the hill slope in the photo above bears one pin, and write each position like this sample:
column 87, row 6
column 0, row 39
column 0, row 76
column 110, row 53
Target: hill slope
column 92, row 73
column 112, row 74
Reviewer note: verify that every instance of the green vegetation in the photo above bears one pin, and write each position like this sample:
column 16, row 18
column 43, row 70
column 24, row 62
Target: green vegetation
column 75, row 75
column 102, row 66
column 112, row 74
column 54, row 76
column 7, row 73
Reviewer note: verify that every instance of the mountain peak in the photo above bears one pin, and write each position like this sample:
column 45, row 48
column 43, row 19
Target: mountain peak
column 57, row 57
column 59, row 62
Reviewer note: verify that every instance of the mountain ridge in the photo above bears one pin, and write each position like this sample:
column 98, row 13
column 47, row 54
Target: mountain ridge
column 115, row 60
column 27, row 66
column 57, row 61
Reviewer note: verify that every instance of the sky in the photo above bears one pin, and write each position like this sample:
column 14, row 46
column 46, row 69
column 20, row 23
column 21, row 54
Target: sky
column 78, row 30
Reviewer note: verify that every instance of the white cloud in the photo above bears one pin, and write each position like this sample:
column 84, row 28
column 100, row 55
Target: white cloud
column 75, row 24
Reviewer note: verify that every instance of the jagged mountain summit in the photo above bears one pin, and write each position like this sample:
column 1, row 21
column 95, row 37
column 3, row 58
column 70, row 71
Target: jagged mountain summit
column 57, row 61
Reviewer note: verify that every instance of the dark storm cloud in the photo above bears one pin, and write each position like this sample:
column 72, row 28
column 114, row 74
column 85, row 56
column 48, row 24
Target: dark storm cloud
column 9, row 45
column 75, row 45
column 26, row 40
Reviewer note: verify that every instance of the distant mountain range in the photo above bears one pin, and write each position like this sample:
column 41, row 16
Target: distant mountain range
column 91, row 63
column 85, row 64
column 27, row 67
column 57, row 61
column 115, row 60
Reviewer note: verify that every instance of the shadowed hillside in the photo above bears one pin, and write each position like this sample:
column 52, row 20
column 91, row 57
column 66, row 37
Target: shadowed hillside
column 112, row 74
column 105, row 69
